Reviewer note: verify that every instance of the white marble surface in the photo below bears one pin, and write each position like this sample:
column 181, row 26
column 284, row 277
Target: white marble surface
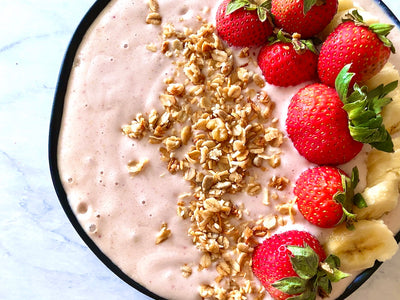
column 41, row 255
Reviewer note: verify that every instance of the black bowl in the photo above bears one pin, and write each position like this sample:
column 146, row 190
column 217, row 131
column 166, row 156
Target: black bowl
column 55, row 124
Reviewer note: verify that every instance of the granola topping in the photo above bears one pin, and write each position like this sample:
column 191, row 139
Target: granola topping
column 215, row 130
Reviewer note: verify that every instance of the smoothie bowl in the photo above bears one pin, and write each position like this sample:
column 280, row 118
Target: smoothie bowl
column 171, row 153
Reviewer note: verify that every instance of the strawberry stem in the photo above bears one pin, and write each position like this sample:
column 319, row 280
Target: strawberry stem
column 262, row 9
column 313, row 276
column 299, row 45
column 380, row 29
column 364, row 110
column 348, row 199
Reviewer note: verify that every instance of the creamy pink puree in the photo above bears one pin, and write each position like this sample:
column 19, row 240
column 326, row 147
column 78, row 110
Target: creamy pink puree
column 114, row 78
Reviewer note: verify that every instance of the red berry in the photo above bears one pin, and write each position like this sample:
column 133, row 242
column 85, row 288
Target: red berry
column 290, row 17
column 318, row 126
column 271, row 259
column 281, row 65
column 315, row 190
column 351, row 43
column 241, row 28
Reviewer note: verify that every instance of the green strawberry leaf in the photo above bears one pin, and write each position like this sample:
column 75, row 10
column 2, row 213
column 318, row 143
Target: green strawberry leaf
column 304, row 261
column 267, row 4
column 300, row 46
column 347, row 198
column 342, row 82
column 364, row 108
column 315, row 277
column 281, row 36
column 382, row 30
column 333, row 261
column 359, row 201
column 291, row 285
column 324, row 283
column 308, row 4
column 354, row 177
column 262, row 9
column 330, row 267
column 262, row 14
column 307, row 295
column 234, row 5
column 354, row 16
column 386, row 146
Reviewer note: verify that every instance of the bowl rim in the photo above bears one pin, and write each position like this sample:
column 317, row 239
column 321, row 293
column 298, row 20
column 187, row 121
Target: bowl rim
column 54, row 132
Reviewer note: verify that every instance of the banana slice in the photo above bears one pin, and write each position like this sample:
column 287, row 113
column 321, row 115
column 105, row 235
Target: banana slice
column 390, row 112
column 380, row 164
column 381, row 198
column 368, row 17
column 337, row 19
column 343, row 9
column 345, row 5
column 359, row 248
column 385, row 76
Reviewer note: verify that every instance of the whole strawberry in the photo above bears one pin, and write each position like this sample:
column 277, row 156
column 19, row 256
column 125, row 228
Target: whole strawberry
column 328, row 126
column 241, row 23
column 288, row 264
column 365, row 47
column 325, row 196
column 318, row 126
column 286, row 63
column 306, row 17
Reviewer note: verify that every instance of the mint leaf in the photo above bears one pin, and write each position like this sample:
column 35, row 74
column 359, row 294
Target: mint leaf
column 304, row 261
column 290, row 285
